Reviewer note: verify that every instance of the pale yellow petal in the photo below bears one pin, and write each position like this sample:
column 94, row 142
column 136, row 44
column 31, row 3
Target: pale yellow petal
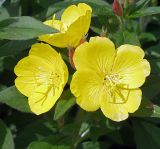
column 70, row 15
column 120, row 103
column 115, row 112
column 50, row 56
column 43, row 99
column 86, row 86
column 96, row 55
column 134, row 100
column 57, row 39
column 130, row 66
column 31, row 71
column 25, row 84
column 83, row 8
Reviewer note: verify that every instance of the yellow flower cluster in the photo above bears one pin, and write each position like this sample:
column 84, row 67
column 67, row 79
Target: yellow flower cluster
column 106, row 78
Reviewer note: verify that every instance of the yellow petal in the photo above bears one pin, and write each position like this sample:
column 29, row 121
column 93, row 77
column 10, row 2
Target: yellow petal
column 96, row 55
column 52, row 58
column 130, row 66
column 122, row 102
column 73, row 12
column 134, row 100
column 44, row 66
column 74, row 25
column 30, row 69
column 70, row 15
column 43, row 99
column 86, row 86
column 57, row 39
column 83, row 8
column 26, row 84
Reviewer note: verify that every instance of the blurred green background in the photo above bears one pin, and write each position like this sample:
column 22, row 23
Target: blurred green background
column 66, row 126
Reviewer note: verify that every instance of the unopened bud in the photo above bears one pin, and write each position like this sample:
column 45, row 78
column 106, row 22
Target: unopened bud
column 117, row 8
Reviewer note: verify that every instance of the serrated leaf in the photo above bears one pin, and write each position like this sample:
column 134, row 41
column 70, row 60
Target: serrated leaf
column 13, row 98
column 6, row 138
column 23, row 28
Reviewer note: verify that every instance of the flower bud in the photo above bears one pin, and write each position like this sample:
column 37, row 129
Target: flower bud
column 117, row 8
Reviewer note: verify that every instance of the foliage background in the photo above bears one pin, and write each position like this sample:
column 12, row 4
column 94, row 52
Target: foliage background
column 66, row 126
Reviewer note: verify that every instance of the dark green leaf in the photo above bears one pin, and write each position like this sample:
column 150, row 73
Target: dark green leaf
column 131, row 38
column 146, row 135
column 37, row 131
column 146, row 12
column 138, row 5
column 99, row 7
column 1, row 2
column 147, row 37
column 14, row 47
column 39, row 145
column 6, row 138
column 65, row 103
column 153, row 52
column 151, row 87
column 23, row 28
column 3, row 13
column 12, row 97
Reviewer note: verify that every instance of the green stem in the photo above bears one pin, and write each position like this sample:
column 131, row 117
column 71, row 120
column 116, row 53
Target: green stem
column 122, row 27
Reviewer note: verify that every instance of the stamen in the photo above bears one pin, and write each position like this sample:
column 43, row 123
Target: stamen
column 112, row 83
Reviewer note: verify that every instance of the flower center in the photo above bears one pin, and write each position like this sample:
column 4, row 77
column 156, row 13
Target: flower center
column 112, row 87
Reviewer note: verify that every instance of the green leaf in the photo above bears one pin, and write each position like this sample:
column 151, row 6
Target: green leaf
column 64, row 103
column 15, row 46
column 146, row 12
column 6, row 138
column 147, row 109
column 1, row 2
column 23, row 28
column 153, row 52
column 3, row 13
column 39, row 145
column 99, row 7
column 35, row 131
column 146, row 135
column 138, row 5
column 151, row 87
column 91, row 145
column 146, row 36
column 13, row 98
column 131, row 38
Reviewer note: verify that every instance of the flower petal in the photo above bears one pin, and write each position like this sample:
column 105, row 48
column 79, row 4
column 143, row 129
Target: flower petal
column 86, row 86
column 134, row 100
column 96, row 55
column 123, row 102
column 73, row 12
column 43, row 99
column 38, row 68
column 32, row 72
column 130, row 66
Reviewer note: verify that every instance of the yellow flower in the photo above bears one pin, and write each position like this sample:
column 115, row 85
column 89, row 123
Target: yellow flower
column 109, row 79
column 41, row 77
column 72, row 27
